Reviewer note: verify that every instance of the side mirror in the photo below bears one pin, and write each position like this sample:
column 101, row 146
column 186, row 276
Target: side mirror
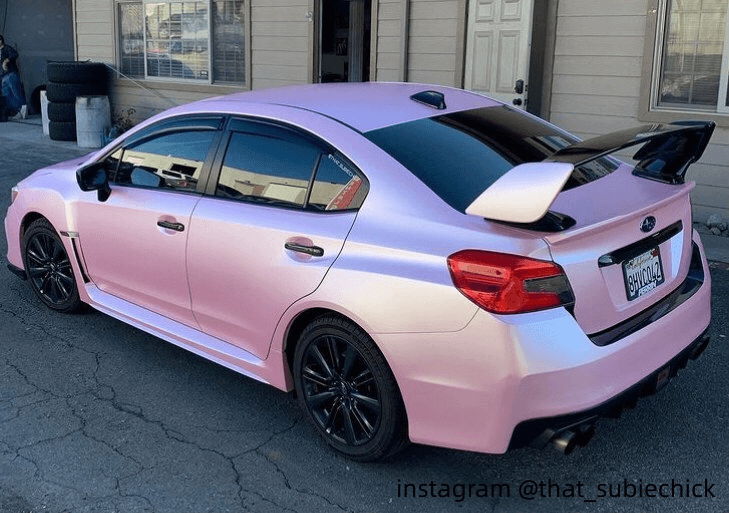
column 93, row 178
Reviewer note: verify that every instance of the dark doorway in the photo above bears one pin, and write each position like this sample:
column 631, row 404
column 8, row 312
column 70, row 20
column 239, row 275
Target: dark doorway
column 344, row 40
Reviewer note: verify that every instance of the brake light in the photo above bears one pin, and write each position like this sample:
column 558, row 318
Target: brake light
column 509, row 284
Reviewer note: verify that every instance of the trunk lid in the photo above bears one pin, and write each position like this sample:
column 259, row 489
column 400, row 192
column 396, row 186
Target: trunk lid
column 597, row 252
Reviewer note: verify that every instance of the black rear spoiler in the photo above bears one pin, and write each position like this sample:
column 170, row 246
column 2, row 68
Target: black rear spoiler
column 666, row 153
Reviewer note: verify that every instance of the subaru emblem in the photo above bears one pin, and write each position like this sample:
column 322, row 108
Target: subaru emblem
column 648, row 224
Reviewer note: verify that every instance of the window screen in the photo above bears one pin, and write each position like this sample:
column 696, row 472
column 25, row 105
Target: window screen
column 185, row 40
column 229, row 41
column 692, row 53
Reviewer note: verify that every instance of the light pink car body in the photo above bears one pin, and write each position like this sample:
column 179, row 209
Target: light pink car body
column 230, row 291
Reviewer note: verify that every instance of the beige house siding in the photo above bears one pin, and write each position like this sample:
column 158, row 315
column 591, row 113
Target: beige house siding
column 280, row 40
column 432, row 41
column 389, row 40
column 598, row 68
column 94, row 30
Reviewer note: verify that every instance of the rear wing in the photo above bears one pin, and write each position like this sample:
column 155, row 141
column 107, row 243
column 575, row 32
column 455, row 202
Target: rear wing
column 524, row 194
column 666, row 152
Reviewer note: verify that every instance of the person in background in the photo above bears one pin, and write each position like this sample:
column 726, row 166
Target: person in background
column 11, row 86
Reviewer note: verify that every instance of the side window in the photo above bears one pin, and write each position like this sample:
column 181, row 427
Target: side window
column 172, row 160
column 272, row 166
column 337, row 186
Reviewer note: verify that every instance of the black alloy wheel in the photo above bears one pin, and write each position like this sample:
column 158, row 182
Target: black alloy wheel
column 347, row 389
column 49, row 268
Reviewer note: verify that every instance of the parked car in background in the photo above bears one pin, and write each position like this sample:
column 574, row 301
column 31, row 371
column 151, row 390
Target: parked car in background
column 419, row 263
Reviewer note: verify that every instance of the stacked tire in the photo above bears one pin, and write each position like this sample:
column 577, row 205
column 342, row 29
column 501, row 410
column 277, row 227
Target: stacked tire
column 66, row 81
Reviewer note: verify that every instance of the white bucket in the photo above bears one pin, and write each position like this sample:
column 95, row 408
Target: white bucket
column 44, row 111
column 93, row 119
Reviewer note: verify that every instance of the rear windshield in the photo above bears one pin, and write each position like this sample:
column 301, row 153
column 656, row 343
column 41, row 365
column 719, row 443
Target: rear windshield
column 459, row 155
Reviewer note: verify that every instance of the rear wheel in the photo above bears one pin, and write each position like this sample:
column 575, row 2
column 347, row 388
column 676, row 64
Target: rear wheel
column 348, row 391
column 49, row 268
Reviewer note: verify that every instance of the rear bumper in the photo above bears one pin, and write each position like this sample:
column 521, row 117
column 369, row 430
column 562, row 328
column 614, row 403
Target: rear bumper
column 579, row 427
column 502, row 380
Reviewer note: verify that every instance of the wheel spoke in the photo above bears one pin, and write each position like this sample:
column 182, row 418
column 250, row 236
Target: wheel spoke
column 45, row 281
column 54, row 293
column 363, row 378
column 317, row 400
column 332, row 346
column 46, row 244
column 35, row 249
column 368, row 402
column 349, row 433
column 56, row 250
column 64, row 291
column 331, row 416
column 322, row 362
column 65, row 276
column 34, row 257
column 34, row 272
column 315, row 377
column 350, row 355
column 367, row 428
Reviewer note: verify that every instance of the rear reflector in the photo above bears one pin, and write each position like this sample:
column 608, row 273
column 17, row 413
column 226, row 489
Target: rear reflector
column 509, row 284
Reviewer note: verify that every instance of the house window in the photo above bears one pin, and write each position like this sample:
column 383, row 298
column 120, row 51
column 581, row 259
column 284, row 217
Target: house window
column 197, row 41
column 692, row 73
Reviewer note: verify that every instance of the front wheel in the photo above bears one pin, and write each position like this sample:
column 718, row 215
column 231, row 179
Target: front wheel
column 49, row 268
column 348, row 391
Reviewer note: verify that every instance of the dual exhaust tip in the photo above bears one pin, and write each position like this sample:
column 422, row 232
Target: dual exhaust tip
column 565, row 441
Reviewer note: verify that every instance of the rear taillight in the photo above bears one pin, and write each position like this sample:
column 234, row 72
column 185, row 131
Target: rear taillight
column 509, row 284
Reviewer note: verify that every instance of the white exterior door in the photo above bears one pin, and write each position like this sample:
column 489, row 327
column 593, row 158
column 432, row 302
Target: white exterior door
column 497, row 49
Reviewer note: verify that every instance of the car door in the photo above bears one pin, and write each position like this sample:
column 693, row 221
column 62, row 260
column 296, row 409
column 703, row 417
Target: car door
column 134, row 243
column 274, row 221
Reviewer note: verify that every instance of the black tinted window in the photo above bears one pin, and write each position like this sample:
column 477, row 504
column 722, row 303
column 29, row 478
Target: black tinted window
column 460, row 155
column 337, row 186
column 266, row 168
column 171, row 160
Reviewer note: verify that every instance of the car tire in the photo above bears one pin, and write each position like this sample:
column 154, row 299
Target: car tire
column 348, row 391
column 72, row 72
column 60, row 111
column 62, row 130
column 49, row 268
column 67, row 93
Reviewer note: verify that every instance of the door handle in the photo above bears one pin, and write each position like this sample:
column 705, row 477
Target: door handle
column 178, row 227
column 308, row 250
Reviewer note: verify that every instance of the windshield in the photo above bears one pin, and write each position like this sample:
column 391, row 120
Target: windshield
column 459, row 155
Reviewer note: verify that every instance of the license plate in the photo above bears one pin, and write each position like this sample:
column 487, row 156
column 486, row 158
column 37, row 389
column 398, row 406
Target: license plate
column 643, row 273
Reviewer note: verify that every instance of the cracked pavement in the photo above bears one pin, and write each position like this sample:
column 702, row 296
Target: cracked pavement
column 97, row 416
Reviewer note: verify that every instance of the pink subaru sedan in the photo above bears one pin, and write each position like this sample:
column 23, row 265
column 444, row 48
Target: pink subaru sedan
column 418, row 263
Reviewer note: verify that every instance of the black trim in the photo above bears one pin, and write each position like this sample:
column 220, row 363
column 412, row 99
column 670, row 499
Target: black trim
column 76, row 254
column 539, row 432
column 665, row 154
column 688, row 288
column 640, row 247
column 17, row 271
column 551, row 222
